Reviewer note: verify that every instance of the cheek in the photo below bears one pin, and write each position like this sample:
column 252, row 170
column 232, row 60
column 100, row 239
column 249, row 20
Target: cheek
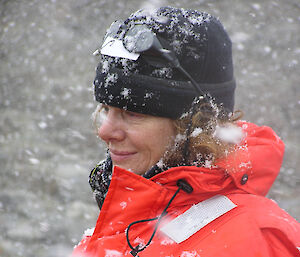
column 159, row 140
column 150, row 144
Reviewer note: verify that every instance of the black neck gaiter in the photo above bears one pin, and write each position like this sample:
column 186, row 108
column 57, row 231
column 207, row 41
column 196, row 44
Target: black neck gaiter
column 100, row 178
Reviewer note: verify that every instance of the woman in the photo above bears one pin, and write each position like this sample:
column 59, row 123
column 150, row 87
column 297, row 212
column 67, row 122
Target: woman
column 183, row 177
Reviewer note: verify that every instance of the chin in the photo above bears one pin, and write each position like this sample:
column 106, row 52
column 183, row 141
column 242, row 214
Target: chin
column 131, row 168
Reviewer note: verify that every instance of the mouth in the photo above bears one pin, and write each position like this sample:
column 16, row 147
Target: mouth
column 120, row 156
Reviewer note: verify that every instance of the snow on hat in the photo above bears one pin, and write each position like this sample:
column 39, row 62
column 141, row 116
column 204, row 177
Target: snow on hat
column 148, row 83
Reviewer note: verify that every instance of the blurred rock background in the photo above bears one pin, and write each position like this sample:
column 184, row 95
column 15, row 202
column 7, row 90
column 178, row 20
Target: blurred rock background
column 47, row 142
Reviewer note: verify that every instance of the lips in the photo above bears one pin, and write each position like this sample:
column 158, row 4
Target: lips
column 120, row 156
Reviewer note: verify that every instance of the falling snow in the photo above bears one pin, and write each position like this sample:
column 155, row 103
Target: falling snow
column 167, row 241
column 89, row 232
column 123, row 205
column 112, row 253
column 47, row 140
column 196, row 132
column 125, row 92
column 229, row 134
column 189, row 254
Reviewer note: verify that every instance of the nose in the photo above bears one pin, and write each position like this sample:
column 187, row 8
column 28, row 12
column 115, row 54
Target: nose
column 111, row 128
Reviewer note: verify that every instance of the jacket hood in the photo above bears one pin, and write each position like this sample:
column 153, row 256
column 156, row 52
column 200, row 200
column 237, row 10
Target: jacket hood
column 251, row 168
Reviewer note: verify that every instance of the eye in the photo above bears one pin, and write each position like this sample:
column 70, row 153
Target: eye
column 104, row 109
column 100, row 115
column 132, row 115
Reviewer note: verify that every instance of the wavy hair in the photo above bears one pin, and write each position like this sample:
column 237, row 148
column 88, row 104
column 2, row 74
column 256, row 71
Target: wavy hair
column 196, row 143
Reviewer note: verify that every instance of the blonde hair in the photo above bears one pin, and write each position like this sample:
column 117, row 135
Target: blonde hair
column 196, row 143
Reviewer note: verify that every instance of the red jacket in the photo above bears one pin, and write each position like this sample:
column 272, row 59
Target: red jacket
column 255, row 227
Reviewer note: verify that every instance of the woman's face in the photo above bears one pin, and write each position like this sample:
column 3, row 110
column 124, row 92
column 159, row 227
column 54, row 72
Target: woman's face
column 135, row 141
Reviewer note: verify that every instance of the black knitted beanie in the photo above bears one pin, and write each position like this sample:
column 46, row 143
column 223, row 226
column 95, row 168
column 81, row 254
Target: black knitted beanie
column 151, row 84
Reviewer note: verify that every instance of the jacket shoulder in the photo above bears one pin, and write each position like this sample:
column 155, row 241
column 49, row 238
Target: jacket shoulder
column 280, row 231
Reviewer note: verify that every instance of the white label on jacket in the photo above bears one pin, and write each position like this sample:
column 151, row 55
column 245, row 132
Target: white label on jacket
column 198, row 216
column 114, row 47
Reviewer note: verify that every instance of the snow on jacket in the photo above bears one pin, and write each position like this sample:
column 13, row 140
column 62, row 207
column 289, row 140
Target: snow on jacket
column 255, row 227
